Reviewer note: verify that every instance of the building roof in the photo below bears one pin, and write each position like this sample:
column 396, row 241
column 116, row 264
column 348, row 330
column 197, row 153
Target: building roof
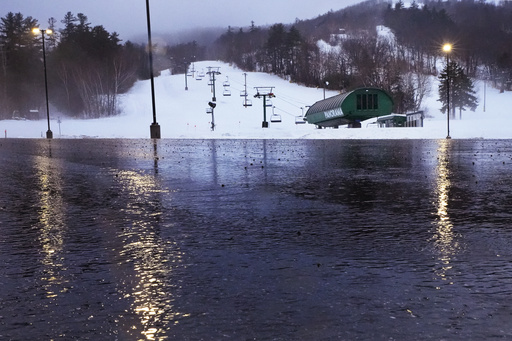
column 328, row 103
column 336, row 101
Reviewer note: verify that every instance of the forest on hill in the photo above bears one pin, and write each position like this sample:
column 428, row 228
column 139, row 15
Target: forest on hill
column 89, row 67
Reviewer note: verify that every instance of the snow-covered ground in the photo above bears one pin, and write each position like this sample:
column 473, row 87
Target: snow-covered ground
column 182, row 114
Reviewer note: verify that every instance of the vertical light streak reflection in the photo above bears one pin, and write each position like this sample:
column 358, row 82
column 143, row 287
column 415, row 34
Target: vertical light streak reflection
column 444, row 238
column 153, row 259
column 51, row 224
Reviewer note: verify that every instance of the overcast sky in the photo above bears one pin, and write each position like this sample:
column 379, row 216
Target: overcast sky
column 128, row 17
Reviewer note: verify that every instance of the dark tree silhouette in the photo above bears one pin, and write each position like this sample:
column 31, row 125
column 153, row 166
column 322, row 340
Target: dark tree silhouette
column 462, row 93
column 21, row 74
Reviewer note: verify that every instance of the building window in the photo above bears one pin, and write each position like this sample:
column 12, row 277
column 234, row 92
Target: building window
column 367, row 102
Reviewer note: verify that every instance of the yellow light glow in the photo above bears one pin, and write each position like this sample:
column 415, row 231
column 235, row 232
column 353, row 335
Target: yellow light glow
column 447, row 48
column 149, row 291
column 37, row 30
column 444, row 237
column 51, row 226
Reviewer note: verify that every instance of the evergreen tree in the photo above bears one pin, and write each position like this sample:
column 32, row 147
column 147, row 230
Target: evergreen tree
column 276, row 48
column 21, row 75
column 293, row 43
column 461, row 87
column 463, row 93
column 89, row 69
column 53, row 38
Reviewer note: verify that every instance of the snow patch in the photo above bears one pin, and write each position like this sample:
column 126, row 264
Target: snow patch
column 182, row 113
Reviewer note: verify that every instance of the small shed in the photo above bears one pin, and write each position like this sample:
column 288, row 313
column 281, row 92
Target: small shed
column 350, row 108
column 393, row 120
column 415, row 119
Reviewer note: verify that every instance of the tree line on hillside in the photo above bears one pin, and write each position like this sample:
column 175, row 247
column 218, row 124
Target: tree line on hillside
column 87, row 67
column 357, row 55
column 351, row 59
column 481, row 33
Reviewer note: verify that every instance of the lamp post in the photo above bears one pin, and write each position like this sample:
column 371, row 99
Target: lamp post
column 49, row 134
column 186, row 75
column 326, row 84
column 155, row 127
column 485, row 90
column 447, row 49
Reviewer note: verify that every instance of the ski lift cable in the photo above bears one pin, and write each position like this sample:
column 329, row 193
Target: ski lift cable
column 236, row 89
column 286, row 112
column 233, row 87
column 291, row 100
column 235, row 81
column 283, row 96
column 249, row 85
column 241, row 83
column 284, row 100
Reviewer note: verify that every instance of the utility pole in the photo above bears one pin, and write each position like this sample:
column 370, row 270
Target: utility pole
column 245, row 90
column 186, row 75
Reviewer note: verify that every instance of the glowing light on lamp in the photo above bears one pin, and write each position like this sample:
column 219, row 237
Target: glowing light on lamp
column 447, row 48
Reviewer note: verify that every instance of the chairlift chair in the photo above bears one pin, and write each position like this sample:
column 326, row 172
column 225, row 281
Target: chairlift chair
column 247, row 103
column 275, row 118
column 226, row 92
column 268, row 103
column 226, row 82
column 243, row 93
column 300, row 120
column 209, row 110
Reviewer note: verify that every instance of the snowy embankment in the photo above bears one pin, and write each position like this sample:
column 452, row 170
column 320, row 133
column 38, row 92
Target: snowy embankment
column 182, row 113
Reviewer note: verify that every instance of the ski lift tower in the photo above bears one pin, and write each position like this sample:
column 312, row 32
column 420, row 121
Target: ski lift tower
column 209, row 110
column 212, row 71
column 264, row 91
column 243, row 93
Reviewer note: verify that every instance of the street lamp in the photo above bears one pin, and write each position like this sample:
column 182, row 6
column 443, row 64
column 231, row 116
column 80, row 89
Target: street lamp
column 49, row 134
column 154, row 129
column 447, row 49
column 186, row 73
column 326, row 84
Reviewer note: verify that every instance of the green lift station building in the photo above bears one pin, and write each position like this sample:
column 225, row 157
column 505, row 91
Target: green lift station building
column 350, row 108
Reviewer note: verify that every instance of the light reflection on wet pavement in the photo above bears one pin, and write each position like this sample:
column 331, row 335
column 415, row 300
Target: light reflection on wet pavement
column 255, row 239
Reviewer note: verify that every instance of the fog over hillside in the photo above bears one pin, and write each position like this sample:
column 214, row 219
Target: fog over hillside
column 182, row 113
